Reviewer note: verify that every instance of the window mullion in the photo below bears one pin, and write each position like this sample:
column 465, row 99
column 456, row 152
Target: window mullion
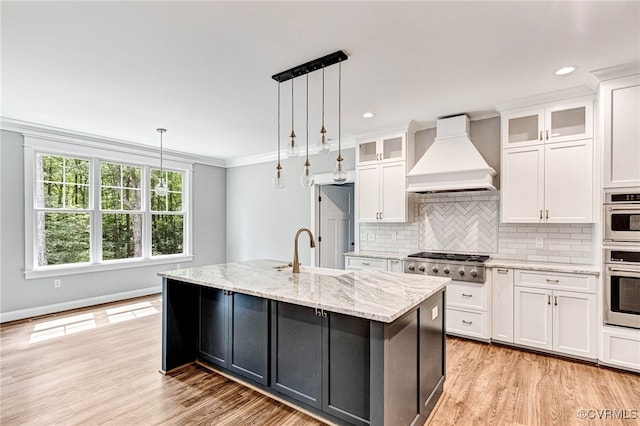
column 146, row 211
column 96, row 212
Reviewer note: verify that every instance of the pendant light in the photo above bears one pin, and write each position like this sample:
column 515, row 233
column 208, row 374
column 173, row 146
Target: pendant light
column 339, row 175
column 306, row 178
column 292, row 149
column 161, row 188
column 278, row 180
column 323, row 144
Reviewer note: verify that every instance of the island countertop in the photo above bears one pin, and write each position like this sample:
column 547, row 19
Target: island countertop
column 375, row 295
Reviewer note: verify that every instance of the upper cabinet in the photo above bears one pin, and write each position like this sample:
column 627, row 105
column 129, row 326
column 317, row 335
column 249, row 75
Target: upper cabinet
column 620, row 100
column 547, row 163
column 382, row 149
column 558, row 122
column 381, row 168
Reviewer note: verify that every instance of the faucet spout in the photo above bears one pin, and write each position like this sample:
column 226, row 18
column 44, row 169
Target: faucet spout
column 296, row 262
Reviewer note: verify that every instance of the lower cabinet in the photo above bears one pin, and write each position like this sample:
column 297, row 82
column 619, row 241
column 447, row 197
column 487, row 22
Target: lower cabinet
column 502, row 305
column 621, row 348
column 303, row 341
column 233, row 332
column 561, row 321
column 468, row 309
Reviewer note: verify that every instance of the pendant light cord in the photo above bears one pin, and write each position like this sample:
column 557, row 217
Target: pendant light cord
column 323, row 100
column 278, row 125
column 339, row 110
column 307, row 162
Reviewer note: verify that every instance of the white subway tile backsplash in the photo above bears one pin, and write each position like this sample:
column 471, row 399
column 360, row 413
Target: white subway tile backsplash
column 468, row 222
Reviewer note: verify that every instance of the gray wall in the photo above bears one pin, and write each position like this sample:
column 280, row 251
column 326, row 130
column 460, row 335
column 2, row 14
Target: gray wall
column 262, row 221
column 17, row 293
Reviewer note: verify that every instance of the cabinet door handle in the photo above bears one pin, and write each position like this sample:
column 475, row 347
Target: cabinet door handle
column 555, row 300
column 547, row 217
column 547, row 135
column 324, row 314
column 467, row 295
column 548, row 299
column 380, row 215
column 550, row 281
column 503, row 271
column 540, row 135
column 317, row 312
column 467, row 322
column 540, row 214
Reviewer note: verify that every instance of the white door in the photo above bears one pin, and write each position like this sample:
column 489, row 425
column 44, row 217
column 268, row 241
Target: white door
column 533, row 317
column 568, row 168
column 393, row 202
column 522, row 184
column 574, row 323
column 368, row 181
column 502, row 303
column 335, row 234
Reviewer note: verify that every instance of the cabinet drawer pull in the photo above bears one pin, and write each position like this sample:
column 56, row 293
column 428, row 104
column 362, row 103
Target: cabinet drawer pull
column 394, row 261
column 365, row 263
column 467, row 295
column 467, row 322
column 550, row 281
column 503, row 271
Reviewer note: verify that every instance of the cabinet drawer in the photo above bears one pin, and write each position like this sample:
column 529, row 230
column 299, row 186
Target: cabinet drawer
column 366, row 263
column 556, row 281
column 472, row 324
column 467, row 295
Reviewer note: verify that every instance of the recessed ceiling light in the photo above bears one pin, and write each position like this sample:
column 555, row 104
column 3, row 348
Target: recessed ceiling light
column 566, row 70
column 368, row 115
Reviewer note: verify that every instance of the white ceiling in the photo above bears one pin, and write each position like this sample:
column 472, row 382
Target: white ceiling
column 203, row 69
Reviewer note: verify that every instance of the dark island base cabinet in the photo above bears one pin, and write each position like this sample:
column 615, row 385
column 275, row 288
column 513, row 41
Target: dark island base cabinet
column 234, row 331
column 347, row 369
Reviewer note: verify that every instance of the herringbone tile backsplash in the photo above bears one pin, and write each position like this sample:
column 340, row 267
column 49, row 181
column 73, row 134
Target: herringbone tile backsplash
column 469, row 222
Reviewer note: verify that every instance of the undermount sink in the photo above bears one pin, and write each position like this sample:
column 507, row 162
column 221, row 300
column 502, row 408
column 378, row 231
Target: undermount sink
column 314, row 270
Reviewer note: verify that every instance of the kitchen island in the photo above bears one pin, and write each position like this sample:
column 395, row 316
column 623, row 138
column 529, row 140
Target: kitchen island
column 353, row 347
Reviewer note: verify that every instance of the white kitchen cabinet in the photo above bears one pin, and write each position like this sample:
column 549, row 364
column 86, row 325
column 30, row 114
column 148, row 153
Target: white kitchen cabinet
column 620, row 99
column 548, row 123
column 620, row 348
column 549, row 317
column 355, row 263
column 547, row 163
column 468, row 309
column 502, row 302
column 551, row 183
column 381, row 149
column 381, row 180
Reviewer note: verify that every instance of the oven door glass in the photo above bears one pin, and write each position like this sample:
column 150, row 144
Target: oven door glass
column 625, row 294
column 625, row 221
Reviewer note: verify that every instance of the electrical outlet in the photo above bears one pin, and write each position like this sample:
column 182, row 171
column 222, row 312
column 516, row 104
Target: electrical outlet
column 57, row 283
column 539, row 243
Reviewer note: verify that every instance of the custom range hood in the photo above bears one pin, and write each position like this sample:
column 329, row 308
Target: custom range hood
column 452, row 163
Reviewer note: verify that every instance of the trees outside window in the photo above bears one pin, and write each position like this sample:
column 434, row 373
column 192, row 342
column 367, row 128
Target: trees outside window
column 72, row 227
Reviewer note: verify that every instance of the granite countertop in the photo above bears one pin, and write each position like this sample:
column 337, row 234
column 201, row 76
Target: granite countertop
column 541, row 266
column 375, row 295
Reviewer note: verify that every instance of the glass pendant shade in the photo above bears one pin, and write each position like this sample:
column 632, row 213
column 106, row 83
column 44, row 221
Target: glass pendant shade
column 278, row 181
column 323, row 143
column 306, row 178
column 161, row 188
column 339, row 174
column 293, row 150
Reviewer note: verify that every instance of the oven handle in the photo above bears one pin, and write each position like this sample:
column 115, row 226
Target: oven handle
column 624, row 270
column 611, row 209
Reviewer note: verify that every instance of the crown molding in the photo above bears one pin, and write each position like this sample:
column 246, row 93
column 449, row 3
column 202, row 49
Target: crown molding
column 618, row 71
column 558, row 95
column 71, row 136
column 249, row 160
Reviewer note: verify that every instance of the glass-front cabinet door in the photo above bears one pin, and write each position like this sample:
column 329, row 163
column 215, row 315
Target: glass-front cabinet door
column 523, row 128
column 382, row 149
column 569, row 121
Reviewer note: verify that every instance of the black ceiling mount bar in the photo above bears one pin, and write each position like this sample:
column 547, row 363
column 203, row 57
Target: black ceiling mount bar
column 316, row 64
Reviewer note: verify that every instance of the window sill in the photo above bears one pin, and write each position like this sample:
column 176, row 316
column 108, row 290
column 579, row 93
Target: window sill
column 56, row 271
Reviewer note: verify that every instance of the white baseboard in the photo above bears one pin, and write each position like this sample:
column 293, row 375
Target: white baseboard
column 75, row 304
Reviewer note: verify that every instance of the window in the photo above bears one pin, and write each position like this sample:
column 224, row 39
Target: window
column 93, row 212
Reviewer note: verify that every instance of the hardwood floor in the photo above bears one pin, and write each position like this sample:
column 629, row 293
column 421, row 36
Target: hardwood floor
column 100, row 366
